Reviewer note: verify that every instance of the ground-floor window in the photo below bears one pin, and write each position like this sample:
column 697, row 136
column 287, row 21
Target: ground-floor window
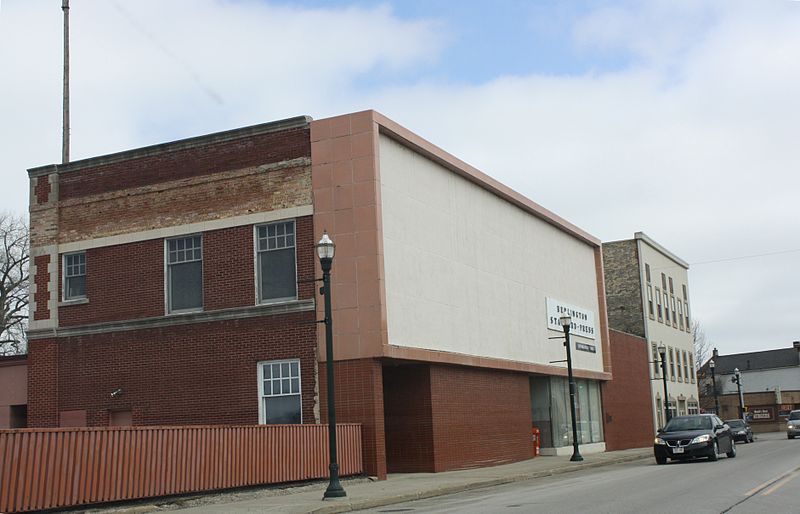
column 280, row 401
column 694, row 408
column 551, row 410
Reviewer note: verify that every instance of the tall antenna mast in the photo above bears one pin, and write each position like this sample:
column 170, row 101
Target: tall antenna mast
column 65, row 122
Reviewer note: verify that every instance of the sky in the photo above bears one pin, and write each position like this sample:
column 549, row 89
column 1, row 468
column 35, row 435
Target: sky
column 675, row 118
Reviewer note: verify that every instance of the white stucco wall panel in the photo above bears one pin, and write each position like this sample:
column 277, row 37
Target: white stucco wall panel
column 468, row 272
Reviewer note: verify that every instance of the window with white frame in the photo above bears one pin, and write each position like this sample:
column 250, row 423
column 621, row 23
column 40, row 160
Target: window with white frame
column 678, row 362
column 650, row 301
column 686, row 365
column 694, row 408
column 674, row 313
column 279, row 392
column 185, row 274
column 74, row 276
column 656, row 361
column 658, row 306
column 691, row 366
column 680, row 313
column 277, row 261
column 672, row 364
column 666, row 307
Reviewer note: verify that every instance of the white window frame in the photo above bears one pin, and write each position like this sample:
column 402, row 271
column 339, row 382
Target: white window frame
column 168, row 286
column 667, row 321
column 650, row 306
column 64, row 289
column 658, row 306
column 257, row 268
column 262, row 414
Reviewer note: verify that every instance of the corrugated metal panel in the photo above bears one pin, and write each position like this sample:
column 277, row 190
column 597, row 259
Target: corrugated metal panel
column 50, row 468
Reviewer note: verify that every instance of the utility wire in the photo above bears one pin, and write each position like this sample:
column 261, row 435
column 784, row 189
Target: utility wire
column 781, row 252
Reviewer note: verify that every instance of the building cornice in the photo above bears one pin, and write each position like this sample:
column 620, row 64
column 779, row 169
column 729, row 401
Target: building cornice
column 181, row 144
column 641, row 236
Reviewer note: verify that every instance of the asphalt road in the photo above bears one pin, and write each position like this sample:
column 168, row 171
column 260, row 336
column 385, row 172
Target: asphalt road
column 764, row 477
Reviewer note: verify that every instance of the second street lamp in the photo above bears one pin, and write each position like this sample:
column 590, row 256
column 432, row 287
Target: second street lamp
column 566, row 323
column 737, row 379
column 325, row 251
column 712, row 365
column 662, row 350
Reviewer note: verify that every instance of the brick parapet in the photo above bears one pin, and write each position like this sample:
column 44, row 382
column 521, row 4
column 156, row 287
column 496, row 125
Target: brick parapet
column 623, row 287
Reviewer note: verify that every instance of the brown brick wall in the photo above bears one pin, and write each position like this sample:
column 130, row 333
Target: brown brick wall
column 626, row 399
column 204, row 373
column 42, row 189
column 42, row 281
column 42, row 383
column 623, row 287
column 122, row 282
column 358, row 387
column 192, row 162
column 126, row 282
column 409, row 421
column 480, row 417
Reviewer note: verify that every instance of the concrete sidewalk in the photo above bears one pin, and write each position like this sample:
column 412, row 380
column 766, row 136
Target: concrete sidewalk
column 364, row 493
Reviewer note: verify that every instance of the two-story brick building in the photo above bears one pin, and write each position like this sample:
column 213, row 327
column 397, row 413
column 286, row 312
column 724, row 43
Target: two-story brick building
column 172, row 285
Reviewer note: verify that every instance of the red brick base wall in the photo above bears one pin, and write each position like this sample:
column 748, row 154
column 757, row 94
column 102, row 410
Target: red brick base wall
column 358, row 386
column 205, row 373
column 626, row 399
column 409, row 421
column 480, row 417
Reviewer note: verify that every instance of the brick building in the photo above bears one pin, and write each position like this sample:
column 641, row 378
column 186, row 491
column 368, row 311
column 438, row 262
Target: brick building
column 171, row 286
column 13, row 391
column 647, row 295
column 770, row 386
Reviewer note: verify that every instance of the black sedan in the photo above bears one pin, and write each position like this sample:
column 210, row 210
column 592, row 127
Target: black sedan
column 741, row 430
column 690, row 437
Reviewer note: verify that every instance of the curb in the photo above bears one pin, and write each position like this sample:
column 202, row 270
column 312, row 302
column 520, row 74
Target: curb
column 372, row 503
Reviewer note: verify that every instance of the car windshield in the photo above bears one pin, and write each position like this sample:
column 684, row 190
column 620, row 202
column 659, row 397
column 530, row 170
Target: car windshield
column 794, row 414
column 735, row 423
column 688, row 423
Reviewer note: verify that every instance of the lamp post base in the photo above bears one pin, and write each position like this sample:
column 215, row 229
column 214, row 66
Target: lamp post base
column 576, row 457
column 335, row 489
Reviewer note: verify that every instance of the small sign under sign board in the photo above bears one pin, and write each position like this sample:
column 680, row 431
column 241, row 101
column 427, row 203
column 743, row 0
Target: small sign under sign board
column 586, row 347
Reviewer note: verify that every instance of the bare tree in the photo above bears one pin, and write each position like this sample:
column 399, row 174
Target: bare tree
column 702, row 344
column 14, row 260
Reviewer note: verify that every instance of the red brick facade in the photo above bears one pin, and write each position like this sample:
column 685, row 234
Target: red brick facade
column 203, row 373
column 194, row 161
column 42, row 189
column 358, row 386
column 441, row 418
column 626, row 399
column 42, row 281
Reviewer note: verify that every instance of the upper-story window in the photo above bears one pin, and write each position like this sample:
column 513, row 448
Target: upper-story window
column 650, row 300
column 670, row 286
column 674, row 313
column 680, row 313
column 666, row 306
column 185, row 274
column 647, row 271
column 277, row 262
column 685, row 365
column 678, row 363
column 672, row 364
column 656, row 361
column 658, row 306
column 691, row 366
column 74, row 276
column 664, row 282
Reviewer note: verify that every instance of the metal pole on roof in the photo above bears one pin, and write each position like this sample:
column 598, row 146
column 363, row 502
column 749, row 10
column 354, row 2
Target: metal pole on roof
column 65, row 114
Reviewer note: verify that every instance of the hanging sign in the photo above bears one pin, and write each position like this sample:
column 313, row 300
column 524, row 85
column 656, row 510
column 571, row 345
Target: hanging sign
column 582, row 319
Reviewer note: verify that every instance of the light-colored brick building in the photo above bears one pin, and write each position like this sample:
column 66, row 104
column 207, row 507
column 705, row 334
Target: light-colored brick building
column 647, row 290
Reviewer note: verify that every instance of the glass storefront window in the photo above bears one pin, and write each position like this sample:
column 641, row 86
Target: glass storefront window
column 551, row 410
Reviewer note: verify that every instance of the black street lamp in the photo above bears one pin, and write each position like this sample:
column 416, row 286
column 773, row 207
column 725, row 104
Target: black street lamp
column 325, row 251
column 712, row 365
column 566, row 323
column 662, row 350
column 737, row 379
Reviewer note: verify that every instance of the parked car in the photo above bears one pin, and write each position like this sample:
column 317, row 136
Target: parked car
column 691, row 437
column 741, row 430
column 793, row 424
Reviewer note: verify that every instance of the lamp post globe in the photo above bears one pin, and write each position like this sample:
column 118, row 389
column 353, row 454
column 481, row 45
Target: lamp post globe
column 662, row 351
column 566, row 323
column 325, row 251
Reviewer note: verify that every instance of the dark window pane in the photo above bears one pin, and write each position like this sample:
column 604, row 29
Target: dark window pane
column 267, row 371
column 76, row 287
column 285, row 370
column 282, row 410
column 278, row 276
column 186, row 285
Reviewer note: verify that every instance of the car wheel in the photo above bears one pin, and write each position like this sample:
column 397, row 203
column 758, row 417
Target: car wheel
column 661, row 460
column 714, row 452
column 791, row 437
column 731, row 454
column 752, row 438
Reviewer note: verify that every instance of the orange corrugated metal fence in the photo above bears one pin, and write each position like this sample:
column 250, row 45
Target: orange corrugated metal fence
column 48, row 468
